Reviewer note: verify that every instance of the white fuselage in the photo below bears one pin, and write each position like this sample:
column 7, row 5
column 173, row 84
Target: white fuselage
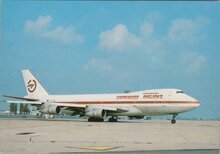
column 97, row 106
column 147, row 102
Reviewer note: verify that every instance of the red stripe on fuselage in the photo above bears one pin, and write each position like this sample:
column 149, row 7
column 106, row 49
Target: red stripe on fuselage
column 132, row 102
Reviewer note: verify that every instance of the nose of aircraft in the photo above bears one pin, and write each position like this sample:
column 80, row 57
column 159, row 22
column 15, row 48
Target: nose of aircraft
column 197, row 103
column 194, row 101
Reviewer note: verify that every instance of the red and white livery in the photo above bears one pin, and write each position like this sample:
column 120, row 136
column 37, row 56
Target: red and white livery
column 99, row 106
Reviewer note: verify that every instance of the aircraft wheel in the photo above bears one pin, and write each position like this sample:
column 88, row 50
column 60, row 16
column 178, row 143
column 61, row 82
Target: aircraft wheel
column 173, row 121
column 113, row 120
column 91, row 119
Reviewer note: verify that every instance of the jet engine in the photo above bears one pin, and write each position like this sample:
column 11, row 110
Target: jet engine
column 95, row 112
column 50, row 109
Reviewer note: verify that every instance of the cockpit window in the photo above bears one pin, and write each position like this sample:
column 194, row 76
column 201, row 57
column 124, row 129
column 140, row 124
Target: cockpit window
column 179, row 91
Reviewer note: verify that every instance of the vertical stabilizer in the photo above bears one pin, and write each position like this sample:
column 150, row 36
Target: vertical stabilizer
column 33, row 87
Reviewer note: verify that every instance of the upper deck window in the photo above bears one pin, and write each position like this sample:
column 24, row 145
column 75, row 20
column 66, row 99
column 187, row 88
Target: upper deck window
column 179, row 91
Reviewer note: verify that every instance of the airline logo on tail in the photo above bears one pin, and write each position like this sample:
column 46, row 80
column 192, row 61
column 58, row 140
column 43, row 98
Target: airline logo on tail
column 32, row 85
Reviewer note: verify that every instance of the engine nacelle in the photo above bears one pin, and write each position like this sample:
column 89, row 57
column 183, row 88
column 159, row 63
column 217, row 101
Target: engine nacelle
column 70, row 112
column 95, row 112
column 50, row 109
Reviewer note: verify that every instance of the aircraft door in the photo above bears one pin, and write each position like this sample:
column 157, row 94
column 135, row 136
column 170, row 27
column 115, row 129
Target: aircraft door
column 168, row 95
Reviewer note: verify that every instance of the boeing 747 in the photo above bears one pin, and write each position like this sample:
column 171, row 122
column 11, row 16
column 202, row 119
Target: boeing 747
column 98, row 106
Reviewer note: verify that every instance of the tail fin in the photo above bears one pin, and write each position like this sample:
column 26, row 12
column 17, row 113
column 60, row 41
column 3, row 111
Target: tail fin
column 33, row 87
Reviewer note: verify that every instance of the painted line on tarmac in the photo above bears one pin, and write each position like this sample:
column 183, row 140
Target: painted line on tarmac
column 97, row 148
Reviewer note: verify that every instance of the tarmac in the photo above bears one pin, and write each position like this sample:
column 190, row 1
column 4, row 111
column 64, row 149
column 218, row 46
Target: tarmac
column 130, row 136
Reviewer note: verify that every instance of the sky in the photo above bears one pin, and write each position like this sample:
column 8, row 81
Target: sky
column 109, row 47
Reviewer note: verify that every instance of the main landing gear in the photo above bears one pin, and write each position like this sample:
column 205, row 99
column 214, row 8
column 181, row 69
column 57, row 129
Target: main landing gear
column 173, row 120
column 113, row 119
column 92, row 119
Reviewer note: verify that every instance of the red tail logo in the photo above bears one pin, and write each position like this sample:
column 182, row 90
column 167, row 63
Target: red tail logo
column 32, row 85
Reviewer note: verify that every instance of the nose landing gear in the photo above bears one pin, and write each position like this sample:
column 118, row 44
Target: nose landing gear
column 173, row 121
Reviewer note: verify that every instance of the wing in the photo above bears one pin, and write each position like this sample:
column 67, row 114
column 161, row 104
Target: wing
column 72, row 106
column 67, row 106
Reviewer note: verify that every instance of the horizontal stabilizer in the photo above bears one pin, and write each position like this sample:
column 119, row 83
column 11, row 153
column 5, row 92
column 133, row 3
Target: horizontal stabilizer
column 25, row 102
column 21, row 98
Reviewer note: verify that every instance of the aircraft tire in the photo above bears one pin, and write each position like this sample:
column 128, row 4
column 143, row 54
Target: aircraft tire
column 113, row 120
column 173, row 121
column 91, row 119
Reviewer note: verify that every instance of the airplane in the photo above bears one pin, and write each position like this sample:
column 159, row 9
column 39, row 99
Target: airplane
column 99, row 106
